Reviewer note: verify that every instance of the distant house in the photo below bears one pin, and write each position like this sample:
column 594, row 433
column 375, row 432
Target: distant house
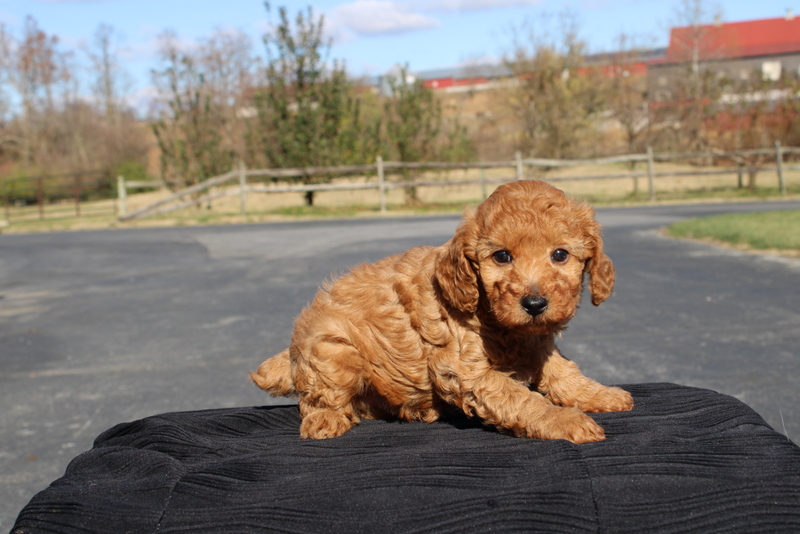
column 479, row 77
column 768, row 49
column 466, row 78
column 625, row 62
column 449, row 80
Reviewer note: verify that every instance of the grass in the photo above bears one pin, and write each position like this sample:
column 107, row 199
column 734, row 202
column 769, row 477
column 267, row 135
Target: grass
column 768, row 230
column 716, row 194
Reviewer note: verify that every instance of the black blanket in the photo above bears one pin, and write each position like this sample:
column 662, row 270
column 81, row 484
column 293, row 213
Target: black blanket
column 684, row 460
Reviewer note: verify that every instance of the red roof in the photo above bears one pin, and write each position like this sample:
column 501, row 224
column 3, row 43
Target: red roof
column 444, row 83
column 751, row 38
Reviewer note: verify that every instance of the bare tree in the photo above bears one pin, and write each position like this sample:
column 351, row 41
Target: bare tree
column 558, row 94
column 699, row 42
column 124, row 148
column 696, row 42
column 627, row 93
column 110, row 78
column 35, row 66
column 189, row 129
column 8, row 141
column 53, row 127
column 69, row 129
column 229, row 68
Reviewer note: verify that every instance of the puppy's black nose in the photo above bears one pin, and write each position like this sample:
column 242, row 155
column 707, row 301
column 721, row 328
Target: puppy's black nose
column 534, row 305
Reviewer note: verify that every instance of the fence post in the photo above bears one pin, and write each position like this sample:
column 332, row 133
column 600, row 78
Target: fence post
column 40, row 197
column 5, row 205
column 740, row 175
column 483, row 183
column 518, row 157
column 381, row 184
column 122, row 195
column 242, row 188
column 76, row 192
column 650, row 174
column 779, row 161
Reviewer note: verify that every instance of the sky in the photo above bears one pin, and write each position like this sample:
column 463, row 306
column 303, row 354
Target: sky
column 371, row 36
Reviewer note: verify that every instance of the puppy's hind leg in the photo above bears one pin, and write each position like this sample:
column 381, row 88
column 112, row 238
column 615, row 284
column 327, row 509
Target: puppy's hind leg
column 329, row 379
column 275, row 375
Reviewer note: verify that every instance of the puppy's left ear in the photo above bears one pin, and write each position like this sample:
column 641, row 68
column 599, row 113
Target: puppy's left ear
column 599, row 266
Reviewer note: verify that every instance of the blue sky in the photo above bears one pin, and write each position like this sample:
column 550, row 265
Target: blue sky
column 370, row 35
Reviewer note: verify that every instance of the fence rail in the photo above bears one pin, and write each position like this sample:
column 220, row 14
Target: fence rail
column 191, row 195
column 65, row 195
column 27, row 196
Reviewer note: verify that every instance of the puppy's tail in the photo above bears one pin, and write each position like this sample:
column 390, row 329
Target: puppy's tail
column 275, row 375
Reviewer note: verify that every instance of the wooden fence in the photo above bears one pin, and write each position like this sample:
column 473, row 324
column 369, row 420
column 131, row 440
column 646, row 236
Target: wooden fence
column 64, row 194
column 204, row 192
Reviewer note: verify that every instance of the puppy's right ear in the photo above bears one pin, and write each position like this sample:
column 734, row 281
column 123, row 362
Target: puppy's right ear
column 455, row 273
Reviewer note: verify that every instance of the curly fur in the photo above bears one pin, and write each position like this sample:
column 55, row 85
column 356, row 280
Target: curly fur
column 418, row 333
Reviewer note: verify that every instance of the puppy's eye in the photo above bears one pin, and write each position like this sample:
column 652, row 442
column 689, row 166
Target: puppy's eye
column 560, row 255
column 502, row 256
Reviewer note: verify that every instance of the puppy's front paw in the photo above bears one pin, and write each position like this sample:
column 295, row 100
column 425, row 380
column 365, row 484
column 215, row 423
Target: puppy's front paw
column 609, row 399
column 569, row 424
column 324, row 424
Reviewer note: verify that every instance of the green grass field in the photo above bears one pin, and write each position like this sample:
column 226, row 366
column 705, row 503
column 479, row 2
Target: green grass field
column 776, row 230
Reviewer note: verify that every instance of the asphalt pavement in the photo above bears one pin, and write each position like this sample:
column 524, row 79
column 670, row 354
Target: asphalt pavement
column 102, row 327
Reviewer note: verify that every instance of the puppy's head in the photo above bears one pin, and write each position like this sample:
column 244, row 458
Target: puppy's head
column 522, row 256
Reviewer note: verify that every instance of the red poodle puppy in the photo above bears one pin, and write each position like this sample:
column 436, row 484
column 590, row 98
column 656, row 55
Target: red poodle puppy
column 470, row 324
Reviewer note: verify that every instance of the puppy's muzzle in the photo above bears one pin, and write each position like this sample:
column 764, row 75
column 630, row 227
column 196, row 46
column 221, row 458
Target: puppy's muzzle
column 534, row 305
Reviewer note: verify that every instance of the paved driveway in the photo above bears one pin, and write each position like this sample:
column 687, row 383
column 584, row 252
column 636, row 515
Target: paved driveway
column 98, row 328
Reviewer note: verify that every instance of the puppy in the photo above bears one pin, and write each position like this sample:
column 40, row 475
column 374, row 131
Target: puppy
column 470, row 324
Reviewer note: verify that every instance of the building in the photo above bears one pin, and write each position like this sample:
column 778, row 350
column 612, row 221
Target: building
column 765, row 49
column 480, row 77
column 745, row 52
column 748, row 55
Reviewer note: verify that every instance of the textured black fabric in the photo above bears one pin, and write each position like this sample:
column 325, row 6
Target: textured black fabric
column 684, row 460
